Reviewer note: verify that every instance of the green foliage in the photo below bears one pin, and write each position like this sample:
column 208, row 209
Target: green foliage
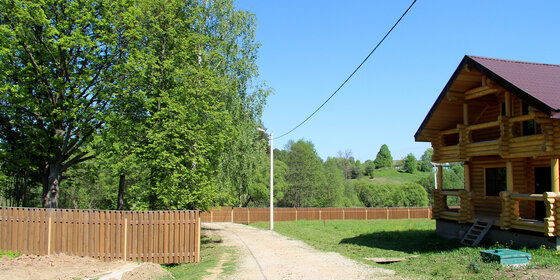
column 410, row 163
column 452, row 179
column 425, row 163
column 369, row 168
column 305, row 176
column 58, row 70
column 333, row 190
column 383, row 158
column 391, row 195
column 160, row 92
column 9, row 254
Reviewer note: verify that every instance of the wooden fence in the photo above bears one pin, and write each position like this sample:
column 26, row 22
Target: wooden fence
column 149, row 236
column 250, row 215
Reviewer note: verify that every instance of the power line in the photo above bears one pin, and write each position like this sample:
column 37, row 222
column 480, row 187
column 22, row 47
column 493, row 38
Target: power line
column 349, row 77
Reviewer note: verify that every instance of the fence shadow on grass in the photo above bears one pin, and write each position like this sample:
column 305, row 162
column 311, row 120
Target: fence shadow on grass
column 410, row 241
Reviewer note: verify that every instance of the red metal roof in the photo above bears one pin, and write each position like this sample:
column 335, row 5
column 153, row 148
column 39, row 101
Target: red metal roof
column 541, row 81
column 537, row 84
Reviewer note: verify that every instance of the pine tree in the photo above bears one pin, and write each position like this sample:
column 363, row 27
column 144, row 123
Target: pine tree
column 383, row 158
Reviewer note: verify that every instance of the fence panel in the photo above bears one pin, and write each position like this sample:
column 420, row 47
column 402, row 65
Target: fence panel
column 160, row 236
column 307, row 214
column 332, row 214
column 284, row 214
column 251, row 215
column 355, row 214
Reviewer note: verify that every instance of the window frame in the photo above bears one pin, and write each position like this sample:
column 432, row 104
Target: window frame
column 497, row 166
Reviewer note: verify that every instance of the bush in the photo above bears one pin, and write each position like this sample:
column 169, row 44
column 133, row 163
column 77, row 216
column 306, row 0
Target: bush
column 391, row 195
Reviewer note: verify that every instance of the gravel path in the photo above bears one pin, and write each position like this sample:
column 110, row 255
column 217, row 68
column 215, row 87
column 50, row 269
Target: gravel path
column 270, row 255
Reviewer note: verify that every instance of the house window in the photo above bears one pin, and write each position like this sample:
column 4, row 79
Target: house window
column 495, row 180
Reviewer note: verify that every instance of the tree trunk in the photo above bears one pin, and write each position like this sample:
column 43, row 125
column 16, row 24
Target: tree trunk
column 51, row 181
column 120, row 200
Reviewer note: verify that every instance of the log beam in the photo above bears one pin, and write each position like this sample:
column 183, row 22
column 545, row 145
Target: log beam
column 467, row 177
column 509, row 176
column 555, row 173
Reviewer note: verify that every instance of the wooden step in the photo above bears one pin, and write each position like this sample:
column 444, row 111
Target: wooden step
column 477, row 232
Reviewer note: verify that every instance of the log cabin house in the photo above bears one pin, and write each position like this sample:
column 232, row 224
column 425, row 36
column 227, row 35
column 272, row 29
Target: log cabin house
column 501, row 118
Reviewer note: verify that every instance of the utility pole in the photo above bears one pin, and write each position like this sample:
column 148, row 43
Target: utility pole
column 271, row 178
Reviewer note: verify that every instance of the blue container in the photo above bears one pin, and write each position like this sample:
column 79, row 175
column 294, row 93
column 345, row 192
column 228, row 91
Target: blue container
column 506, row 256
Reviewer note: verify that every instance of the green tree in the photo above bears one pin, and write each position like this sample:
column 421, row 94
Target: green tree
column 305, row 175
column 410, row 163
column 332, row 191
column 425, row 163
column 58, row 65
column 369, row 168
column 383, row 158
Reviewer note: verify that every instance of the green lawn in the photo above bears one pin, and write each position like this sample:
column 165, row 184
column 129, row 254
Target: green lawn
column 394, row 176
column 428, row 256
column 212, row 254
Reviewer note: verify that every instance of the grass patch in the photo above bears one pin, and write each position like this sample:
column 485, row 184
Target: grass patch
column 428, row 256
column 9, row 254
column 394, row 176
column 213, row 255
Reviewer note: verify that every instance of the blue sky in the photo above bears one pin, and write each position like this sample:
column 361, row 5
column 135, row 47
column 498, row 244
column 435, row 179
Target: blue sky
column 310, row 47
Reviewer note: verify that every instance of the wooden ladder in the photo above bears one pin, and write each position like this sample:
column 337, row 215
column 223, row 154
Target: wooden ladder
column 477, row 232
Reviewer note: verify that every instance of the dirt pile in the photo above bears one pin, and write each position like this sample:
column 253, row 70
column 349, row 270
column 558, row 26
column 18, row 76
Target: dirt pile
column 61, row 266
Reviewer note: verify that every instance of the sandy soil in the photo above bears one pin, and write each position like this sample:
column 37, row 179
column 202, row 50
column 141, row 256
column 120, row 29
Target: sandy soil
column 70, row 267
column 269, row 255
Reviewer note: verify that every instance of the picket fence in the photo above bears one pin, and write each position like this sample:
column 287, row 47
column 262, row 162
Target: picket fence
column 251, row 215
column 148, row 236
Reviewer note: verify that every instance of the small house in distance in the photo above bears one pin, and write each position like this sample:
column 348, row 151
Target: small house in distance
column 501, row 118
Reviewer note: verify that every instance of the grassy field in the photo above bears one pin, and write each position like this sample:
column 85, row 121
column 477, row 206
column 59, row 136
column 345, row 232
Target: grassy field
column 427, row 255
column 394, row 176
column 213, row 256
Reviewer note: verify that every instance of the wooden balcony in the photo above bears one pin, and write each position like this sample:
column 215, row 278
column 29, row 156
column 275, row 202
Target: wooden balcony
column 495, row 138
column 510, row 217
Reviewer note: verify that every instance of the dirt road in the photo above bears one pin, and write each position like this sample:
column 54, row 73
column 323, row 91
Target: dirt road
column 269, row 255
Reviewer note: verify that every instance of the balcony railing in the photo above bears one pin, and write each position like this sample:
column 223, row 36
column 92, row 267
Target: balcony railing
column 492, row 138
column 464, row 213
column 510, row 217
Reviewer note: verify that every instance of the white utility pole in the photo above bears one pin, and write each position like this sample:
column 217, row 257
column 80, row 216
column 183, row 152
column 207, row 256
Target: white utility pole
column 271, row 183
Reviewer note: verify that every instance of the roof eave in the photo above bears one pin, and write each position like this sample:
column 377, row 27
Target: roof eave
column 440, row 97
column 529, row 99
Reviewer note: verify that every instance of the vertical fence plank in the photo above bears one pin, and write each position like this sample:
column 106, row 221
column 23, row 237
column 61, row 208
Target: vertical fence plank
column 144, row 236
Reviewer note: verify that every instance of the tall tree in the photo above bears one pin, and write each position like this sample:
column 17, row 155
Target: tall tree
column 409, row 164
column 305, row 175
column 383, row 158
column 425, row 164
column 58, row 61
column 190, row 66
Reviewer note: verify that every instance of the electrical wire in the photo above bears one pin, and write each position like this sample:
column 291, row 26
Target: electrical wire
column 354, row 72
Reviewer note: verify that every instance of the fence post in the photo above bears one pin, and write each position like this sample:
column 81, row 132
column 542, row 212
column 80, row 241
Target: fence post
column 343, row 214
column 49, row 234
column 125, row 235
column 296, row 214
column 232, row 214
column 320, row 214
column 212, row 215
column 248, row 215
column 408, row 213
column 366, row 212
